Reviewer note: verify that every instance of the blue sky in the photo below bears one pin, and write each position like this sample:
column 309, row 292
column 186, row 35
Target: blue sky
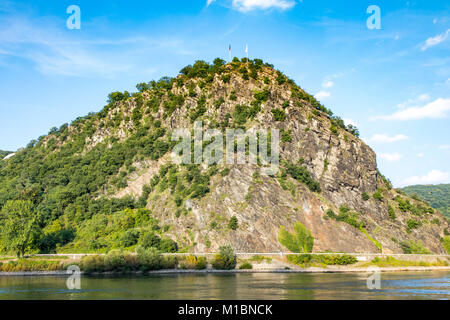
column 393, row 82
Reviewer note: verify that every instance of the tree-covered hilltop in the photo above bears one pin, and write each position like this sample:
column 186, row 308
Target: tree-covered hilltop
column 438, row 196
column 4, row 154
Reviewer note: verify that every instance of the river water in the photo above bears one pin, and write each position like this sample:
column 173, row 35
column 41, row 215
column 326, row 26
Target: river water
column 264, row 286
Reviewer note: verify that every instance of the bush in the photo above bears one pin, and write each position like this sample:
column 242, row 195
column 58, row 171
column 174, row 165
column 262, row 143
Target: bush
column 115, row 261
column 130, row 238
column 302, row 174
column 365, row 196
column 225, row 259
column 391, row 213
column 278, row 114
column 149, row 240
column 195, row 263
column 337, row 259
column 149, row 259
column 168, row 246
column 233, row 223
column 413, row 224
column 378, row 196
column 412, row 247
column 446, row 243
column 301, row 241
column 246, row 266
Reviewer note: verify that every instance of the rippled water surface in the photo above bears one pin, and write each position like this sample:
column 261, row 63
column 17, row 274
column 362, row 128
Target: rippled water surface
column 428, row 285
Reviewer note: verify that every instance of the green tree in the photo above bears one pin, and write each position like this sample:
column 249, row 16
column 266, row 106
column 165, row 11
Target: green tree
column 233, row 223
column 18, row 221
column 301, row 241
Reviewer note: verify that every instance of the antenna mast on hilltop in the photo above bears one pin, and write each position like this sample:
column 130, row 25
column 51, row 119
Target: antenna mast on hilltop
column 246, row 50
column 229, row 52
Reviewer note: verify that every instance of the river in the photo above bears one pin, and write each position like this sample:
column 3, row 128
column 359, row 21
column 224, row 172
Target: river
column 264, row 286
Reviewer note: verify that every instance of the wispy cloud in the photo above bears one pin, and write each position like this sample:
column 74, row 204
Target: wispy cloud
column 391, row 157
column 54, row 52
column 432, row 177
column 328, row 84
column 434, row 41
column 250, row 5
column 384, row 138
column 419, row 99
column 322, row 95
column 444, row 147
column 437, row 109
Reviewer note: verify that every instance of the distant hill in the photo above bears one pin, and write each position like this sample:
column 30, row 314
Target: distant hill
column 438, row 196
column 4, row 154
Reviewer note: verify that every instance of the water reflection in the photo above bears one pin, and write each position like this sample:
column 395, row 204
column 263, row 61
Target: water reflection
column 429, row 285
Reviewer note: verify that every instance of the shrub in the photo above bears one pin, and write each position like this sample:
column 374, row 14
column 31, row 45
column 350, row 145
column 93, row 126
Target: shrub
column 233, row 223
column 246, row 266
column 378, row 196
column 365, row 196
column 337, row 259
column 168, row 245
column 149, row 240
column 225, row 259
column 149, row 259
column 446, row 243
column 114, row 261
column 302, row 174
column 391, row 213
column 413, row 224
column 193, row 262
column 130, row 238
column 412, row 247
column 301, row 241
column 278, row 114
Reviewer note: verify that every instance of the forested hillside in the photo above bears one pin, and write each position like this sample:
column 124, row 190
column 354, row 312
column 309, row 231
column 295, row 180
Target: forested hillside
column 438, row 196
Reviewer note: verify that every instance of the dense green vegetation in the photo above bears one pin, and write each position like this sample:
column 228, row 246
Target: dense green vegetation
column 66, row 181
column 438, row 196
column 225, row 259
column 306, row 260
column 301, row 241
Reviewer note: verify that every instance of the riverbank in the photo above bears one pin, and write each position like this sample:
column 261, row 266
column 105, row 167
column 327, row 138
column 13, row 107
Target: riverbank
column 119, row 263
column 213, row 271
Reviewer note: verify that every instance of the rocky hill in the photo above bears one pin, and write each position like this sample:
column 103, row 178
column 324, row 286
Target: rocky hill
column 107, row 180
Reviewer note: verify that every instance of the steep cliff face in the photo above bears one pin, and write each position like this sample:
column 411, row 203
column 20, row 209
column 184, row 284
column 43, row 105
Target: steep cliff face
column 344, row 166
column 328, row 178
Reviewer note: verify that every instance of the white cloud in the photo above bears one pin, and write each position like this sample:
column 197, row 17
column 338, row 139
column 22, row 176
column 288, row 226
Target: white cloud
column 208, row 2
column 328, row 84
column 444, row 147
column 53, row 52
column 322, row 95
column 420, row 155
column 432, row 177
column 434, row 41
column 383, row 138
column 437, row 109
column 391, row 157
column 421, row 98
column 350, row 121
column 249, row 5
